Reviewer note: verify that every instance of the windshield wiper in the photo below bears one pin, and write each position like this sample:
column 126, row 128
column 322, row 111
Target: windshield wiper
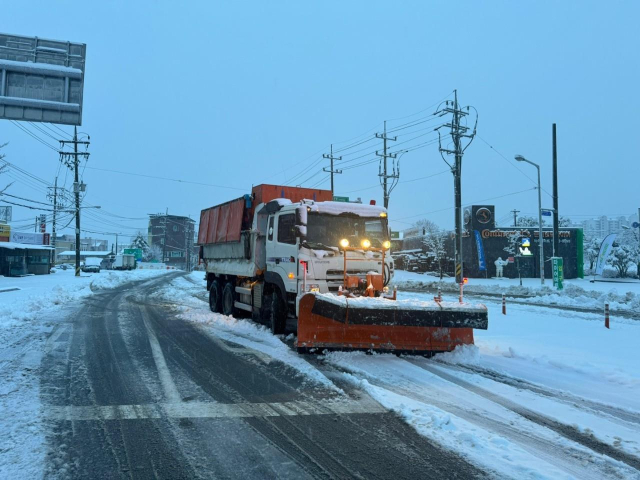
column 318, row 246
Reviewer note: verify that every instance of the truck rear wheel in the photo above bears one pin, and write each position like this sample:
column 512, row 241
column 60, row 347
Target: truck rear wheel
column 215, row 297
column 227, row 299
column 278, row 314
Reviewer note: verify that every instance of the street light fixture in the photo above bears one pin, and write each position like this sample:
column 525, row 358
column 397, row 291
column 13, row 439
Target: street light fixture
column 520, row 158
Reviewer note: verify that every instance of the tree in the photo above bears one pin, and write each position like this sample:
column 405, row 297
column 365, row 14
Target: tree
column 140, row 242
column 525, row 221
column 155, row 253
column 563, row 221
column 435, row 243
column 625, row 252
column 591, row 250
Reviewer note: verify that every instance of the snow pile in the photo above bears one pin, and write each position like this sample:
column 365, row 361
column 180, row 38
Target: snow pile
column 237, row 331
column 36, row 294
column 380, row 303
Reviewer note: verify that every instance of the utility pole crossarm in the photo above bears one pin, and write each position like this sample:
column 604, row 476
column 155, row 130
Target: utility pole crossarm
column 331, row 170
column 457, row 132
column 383, row 170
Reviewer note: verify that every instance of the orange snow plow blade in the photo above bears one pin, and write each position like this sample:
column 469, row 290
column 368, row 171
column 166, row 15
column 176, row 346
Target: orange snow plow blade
column 364, row 323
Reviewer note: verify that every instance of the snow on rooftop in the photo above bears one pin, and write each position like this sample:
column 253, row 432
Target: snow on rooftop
column 14, row 246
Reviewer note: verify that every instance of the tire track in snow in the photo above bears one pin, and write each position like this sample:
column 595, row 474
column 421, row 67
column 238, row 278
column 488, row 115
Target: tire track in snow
column 570, row 459
column 566, row 431
column 567, row 398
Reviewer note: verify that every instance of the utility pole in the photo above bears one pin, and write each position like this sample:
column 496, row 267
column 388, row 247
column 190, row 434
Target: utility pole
column 331, row 158
column 458, row 133
column 116, row 243
column 556, row 215
column 382, row 170
column 164, row 239
column 515, row 217
column 54, row 197
column 72, row 160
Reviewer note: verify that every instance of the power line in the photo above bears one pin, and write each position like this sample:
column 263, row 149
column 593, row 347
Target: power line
column 31, row 134
column 164, row 178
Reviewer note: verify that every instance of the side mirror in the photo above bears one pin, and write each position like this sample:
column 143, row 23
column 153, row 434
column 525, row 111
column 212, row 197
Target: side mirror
column 301, row 215
column 301, row 231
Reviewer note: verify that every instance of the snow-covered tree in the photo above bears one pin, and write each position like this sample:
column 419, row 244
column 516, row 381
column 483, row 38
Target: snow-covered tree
column 563, row 222
column 525, row 221
column 155, row 253
column 140, row 242
column 591, row 249
column 435, row 243
column 625, row 252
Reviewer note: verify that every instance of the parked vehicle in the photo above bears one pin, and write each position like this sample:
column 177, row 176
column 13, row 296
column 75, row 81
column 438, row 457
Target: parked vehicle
column 285, row 251
column 91, row 264
column 124, row 261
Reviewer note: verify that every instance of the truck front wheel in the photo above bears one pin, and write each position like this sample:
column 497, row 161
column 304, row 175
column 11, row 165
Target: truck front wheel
column 227, row 299
column 278, row 314
column 215, row 297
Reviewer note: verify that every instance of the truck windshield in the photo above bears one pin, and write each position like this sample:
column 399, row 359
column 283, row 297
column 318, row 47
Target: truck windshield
column 330, row 229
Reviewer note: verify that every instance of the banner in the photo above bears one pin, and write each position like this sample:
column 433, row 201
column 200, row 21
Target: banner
column 558, row 272
column 605, row 249
column 482, row 264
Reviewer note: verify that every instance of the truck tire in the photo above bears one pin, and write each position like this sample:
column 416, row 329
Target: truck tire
column 278, row 314
column 227, row 299
column 215, row 297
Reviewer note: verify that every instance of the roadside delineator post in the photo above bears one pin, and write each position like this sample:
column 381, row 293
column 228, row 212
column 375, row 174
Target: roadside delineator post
column 504, row 305
column 606, row 315
column 461, row 295
column 439, row 294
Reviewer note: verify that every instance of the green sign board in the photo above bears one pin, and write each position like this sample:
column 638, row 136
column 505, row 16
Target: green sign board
column 395, row 235
column 340, row 199
column 136, row 252
column 558, row 272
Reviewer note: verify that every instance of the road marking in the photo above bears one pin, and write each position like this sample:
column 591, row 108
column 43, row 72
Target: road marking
column 168, row 385
column 211, row 410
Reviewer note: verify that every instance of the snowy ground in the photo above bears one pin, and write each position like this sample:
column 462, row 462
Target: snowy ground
column 30, row 309
column 544, row 393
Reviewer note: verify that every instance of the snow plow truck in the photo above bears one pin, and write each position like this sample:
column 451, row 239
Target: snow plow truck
column 288, row 252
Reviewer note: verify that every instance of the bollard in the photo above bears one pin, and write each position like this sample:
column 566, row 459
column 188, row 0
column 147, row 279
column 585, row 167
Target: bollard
column 439, row 294
column 504, row 305
column 461, row 286
column 606, row 315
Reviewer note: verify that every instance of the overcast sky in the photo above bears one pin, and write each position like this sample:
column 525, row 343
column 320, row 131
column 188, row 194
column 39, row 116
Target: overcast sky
column 237, row 94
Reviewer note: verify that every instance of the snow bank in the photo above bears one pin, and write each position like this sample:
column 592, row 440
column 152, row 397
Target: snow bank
column 577, row 293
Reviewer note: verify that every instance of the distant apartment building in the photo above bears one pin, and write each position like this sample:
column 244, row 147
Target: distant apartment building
column 602, row 226
column 174, row 235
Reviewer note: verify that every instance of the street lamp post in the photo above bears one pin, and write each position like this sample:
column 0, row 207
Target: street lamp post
column 520, row 158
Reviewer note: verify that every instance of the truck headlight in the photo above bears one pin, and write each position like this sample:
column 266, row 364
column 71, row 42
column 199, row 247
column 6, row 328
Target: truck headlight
column 365, row 243
column 386, row 244
column 344, row 243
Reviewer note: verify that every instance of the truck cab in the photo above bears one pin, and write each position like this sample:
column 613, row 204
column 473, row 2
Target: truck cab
column 304, row 246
